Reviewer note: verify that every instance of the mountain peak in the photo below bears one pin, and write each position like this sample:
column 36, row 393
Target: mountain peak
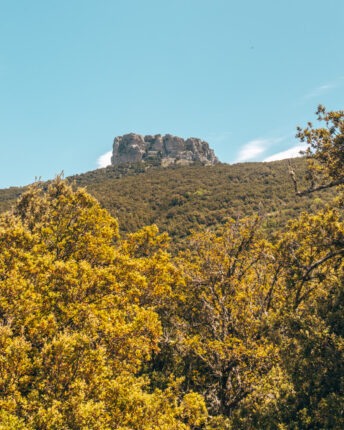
column 134, row 148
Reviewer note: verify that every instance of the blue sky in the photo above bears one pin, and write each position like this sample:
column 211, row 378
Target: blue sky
column 242, row 75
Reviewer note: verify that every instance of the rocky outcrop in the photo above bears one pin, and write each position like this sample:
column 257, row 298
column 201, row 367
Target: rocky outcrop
column 133, row 148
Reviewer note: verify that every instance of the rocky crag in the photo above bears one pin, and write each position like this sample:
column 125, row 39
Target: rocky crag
column 134, row 148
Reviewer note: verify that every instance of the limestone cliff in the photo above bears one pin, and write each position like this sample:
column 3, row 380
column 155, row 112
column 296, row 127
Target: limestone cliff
column 133, row 148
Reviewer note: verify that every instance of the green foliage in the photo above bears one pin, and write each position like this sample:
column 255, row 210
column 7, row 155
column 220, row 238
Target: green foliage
column 181, row 199
column 242, row 329
column 78, row 319
column 223, row 318
column 325, row 150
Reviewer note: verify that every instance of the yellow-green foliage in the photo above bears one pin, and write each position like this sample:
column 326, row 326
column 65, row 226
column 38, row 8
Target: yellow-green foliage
column 181, row 199
column 78, row 319
column 325, row 150
column 227, row 290
column 239, row 331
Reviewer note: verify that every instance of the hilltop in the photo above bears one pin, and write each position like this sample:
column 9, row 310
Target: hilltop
column 165, row 150
column 182, row 198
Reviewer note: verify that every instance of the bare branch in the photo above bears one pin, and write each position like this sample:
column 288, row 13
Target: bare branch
column 319, row 188
column 306, row 278
column 293, row 177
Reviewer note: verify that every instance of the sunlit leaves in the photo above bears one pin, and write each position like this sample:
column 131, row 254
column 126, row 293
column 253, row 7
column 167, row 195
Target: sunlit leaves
column 78, row 318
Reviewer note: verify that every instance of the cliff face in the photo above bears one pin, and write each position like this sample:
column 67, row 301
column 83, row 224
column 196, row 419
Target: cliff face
column 133, row 148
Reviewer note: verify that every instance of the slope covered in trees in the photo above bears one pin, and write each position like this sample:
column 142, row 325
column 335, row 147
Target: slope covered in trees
column 239, row 331
column 180, row 199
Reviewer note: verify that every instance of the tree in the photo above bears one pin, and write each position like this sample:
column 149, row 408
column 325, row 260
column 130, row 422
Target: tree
column 325, row 152
column 222, row 320
column 78, row 320
column 309, row 328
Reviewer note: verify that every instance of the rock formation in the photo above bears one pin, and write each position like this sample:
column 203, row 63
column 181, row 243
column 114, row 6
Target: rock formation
column 133, row 148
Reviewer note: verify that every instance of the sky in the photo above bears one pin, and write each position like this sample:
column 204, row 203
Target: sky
column 241, row 75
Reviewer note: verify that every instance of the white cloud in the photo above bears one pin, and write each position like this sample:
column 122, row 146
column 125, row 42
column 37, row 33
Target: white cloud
column 252, row 149
column 289, row 153
column 320, row 90
column 324, row 88
column 104, row 160
column 256, row 147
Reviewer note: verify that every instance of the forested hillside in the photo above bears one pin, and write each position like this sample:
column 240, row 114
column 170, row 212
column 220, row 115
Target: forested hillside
column 179, row 199
column 239, row 330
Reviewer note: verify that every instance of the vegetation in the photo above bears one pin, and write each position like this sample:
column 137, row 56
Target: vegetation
column 78, row 318
column 241, row 330
column 181, row 199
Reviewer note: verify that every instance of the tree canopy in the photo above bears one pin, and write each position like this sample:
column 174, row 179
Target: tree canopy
column 240, row 330
column 78, row 319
